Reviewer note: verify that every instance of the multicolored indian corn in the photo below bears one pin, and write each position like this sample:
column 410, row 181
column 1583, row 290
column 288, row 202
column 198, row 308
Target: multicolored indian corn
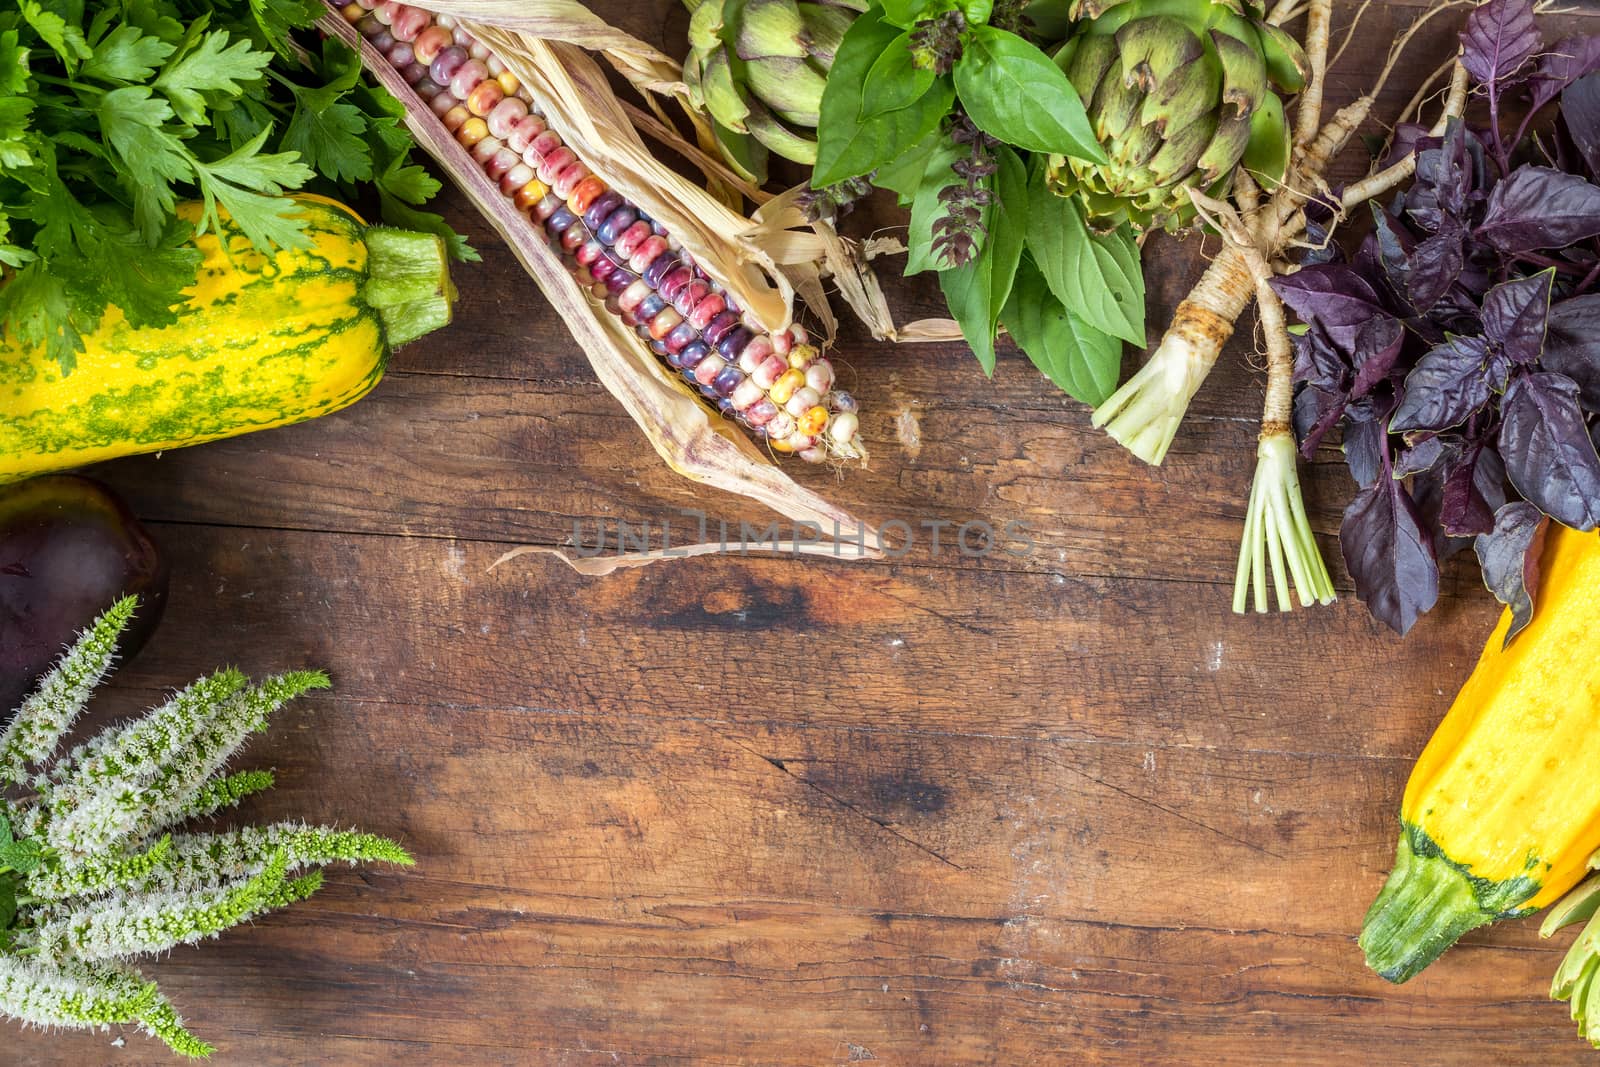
column 778, row 385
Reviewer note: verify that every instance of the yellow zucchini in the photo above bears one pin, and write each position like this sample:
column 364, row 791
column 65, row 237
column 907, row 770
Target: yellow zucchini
column 262, row 340
column 1502, row 810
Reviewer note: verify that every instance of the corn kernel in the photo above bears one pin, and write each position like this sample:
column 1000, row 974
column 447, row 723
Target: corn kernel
column 484, row 98
column 747, row 395
column 785, row 386
column 820, row 376
column 508, row 82
column 471, row 131
column 429, row 43
column 665, row 322
column 584, row 194
column 804, row 399
column 781, row 426
column 801, row 355
column 515, row 178
column 485, row 149
column 530, row 194
column 772, row 368
column 354, row 13
column 813, row 421
column 845, row 425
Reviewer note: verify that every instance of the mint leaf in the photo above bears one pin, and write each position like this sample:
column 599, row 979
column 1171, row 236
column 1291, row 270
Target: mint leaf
column 1082, row 361
column 125, row 54
column 1014, row 92
column 1096, row 276
column 976, row 292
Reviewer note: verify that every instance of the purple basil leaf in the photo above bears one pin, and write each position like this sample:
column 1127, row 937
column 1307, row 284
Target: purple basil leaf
column 1499, row 40
column 1363, row 448
column 1537, row 207
column 1407, row 139
column 1580, row 109
column 1549, row 457
column 1389, row 554
column 1422, row 456
column 1319, row 361
column 1394, row 246
column 1490, row 477
column 1509, row 556
column 1378, row 344
column 1572, row 345
column 1435, row 265
column 1332, row 296
column 1463, row 511
column 1316, row 411
column 1448, row 384
column 1568, row 60
column 1514, row 315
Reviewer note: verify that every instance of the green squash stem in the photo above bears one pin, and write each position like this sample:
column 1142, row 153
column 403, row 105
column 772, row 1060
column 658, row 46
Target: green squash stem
column 408, row 282
column 1426, row 906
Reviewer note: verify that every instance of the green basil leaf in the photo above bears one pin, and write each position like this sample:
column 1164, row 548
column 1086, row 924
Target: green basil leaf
column 1096, row 276
column 1083, row 362
column 848, row 145
column 905, row 13
column 894, row 82
column 903, row 176
column 1014, row 92
column 976, row 292
column 926, row 208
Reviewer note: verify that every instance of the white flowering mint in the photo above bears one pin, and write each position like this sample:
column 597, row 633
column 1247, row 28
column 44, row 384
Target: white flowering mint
column 91, row 876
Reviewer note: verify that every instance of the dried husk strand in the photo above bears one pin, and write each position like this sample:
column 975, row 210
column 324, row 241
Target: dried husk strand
column 693, row 442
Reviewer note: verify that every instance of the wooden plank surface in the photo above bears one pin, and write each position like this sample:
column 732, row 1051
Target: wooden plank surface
column 1041, row 808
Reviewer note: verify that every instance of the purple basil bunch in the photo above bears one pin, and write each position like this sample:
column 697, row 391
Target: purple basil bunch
column 1459, row 348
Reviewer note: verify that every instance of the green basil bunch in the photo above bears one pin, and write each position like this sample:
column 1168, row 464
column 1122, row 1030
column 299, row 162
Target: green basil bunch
column 954, row 108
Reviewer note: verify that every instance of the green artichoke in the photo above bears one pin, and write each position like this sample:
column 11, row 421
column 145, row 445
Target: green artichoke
column 1180, row 94
column 758, row 68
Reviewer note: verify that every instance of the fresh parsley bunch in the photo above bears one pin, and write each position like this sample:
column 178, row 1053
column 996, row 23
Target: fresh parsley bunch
column 955, row 108
column 113, row 113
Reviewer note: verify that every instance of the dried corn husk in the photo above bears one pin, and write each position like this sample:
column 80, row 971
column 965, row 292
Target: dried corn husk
column 575, row 97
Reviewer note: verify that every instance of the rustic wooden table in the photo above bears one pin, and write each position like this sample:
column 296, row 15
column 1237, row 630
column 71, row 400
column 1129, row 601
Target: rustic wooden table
column 1060, row 807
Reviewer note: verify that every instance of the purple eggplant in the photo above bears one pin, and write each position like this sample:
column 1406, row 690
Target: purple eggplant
column 69, row 547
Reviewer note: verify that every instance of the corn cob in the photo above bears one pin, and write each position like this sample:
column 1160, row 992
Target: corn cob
column 778, row 385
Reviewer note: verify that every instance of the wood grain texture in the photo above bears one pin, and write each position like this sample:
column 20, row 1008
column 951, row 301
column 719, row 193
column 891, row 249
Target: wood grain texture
column 1054, row 807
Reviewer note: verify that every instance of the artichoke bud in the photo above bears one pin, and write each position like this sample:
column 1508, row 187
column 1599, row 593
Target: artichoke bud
column 772, row 134
column 1088, row 63
column 1267, row 154
column 705, row 28
column 1139, row 146
column 1116, row 108
column 1226, row 148
column 1181, row 99
column 771, row 29
column 1286, row 61
column 1182, row 150
column 724, row 99
column 1154, row 49
column 787, row 85
column 1244, row 74
column 826, row 25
